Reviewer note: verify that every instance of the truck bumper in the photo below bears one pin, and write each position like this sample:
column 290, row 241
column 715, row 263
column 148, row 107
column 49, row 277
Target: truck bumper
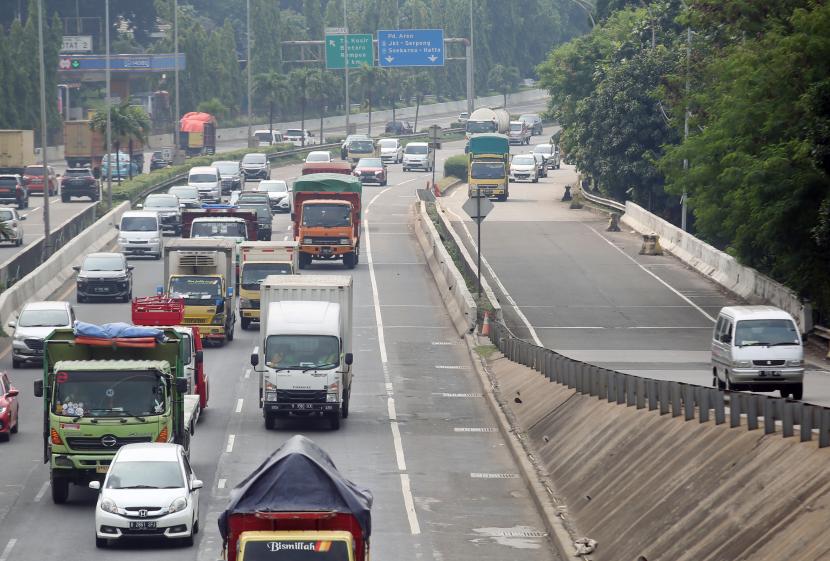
column 80, row 468
column 250, row 313
column 317, row 407
column 326, row 251
column 209, row 331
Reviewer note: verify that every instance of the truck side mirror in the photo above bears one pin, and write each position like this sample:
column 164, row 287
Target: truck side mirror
column 181, row 385
column 199, row 357
column 12, row 324
column 255, row 357
column 38, row 388
column 349, row 358
column 117, row 226
column 139, row 206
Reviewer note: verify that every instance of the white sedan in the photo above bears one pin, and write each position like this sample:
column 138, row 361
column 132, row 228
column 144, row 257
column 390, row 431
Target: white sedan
column 149, row 491
column 523, row 168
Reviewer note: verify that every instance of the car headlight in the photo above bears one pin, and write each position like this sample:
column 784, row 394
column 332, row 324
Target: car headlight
column 270, row 396
column 122, row 240
column 797, row 362
column 742, row 364
column 108, row 505
column 345, row 241
column 20, row 338
column 177, row 505
column 307, row 241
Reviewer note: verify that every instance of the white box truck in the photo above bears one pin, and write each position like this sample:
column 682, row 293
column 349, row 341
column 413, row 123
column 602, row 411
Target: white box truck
column 304, row 352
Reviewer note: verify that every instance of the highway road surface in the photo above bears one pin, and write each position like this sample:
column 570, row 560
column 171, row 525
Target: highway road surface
column 420, row 436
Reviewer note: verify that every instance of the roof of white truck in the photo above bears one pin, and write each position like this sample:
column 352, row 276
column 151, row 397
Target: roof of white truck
column 288, row 317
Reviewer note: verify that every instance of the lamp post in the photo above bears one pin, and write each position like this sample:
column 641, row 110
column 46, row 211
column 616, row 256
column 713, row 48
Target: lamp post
column 107, row 152
column 43, row 125
column 177, row 159
column 346, row 64
column 686, row 126
column 248, row 68
column 471, row 68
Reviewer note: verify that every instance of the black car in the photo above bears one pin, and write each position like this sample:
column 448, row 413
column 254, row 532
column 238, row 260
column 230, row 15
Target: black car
column 264, row 218
column 399, row 127
column 158, row 161
column 105, row 276
column 14, row 191
column 79, row 182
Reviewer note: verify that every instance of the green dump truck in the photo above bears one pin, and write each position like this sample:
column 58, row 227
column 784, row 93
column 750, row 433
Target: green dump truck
column 100, row 394
column 488, row 159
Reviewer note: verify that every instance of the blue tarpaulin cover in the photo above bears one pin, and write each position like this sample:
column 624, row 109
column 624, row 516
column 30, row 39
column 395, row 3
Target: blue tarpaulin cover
column 299, row 477
column 114, row 330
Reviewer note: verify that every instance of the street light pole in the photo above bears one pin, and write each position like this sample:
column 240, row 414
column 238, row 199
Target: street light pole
column 43, row 124
column 108, row 151
column 248, row 68
column 686, row 125
column 471, row 65
column 177, row 116
column 346, row 64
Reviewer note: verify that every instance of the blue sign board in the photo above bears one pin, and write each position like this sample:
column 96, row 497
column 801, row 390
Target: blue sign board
column 411, row 47
column 121, row 63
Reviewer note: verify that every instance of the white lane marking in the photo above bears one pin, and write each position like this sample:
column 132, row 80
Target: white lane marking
column 445, row 367
column 661, row 281
column 458, row 394
column 406, row 490
column 475, row 475
column 474, row 429
column 285, row 238
column 498, row 282
column 620, row 327
column 441, row 343
column 231, row 439
column 42, row 491
column 8, row 549
column 221, row 484
column 239, row 403
column 247, row 373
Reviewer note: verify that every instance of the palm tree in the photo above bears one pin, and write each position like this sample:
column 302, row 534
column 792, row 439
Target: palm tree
column 301, row 81
column 394, row 88
column 369, row 79
column 420, row 83
column 321, row 87
column 271, row 87
column 504, row 79
column 128, row 122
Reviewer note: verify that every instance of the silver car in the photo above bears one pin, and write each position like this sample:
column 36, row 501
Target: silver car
column 35, row 322
column 277, row 191
column 11, row 219
column 167, row 207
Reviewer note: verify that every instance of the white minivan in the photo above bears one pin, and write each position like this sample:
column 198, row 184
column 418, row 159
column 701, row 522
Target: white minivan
column 758, row 348
column 140, row 233
column 208, row 181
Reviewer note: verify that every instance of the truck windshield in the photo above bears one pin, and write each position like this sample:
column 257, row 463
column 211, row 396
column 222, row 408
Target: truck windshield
column 294, row 550
column 108, row 393
column 361, row 146
column 196, row 290
column 201, row 178
column 480, row 126
column 145, row 475
column 302, row 351
column 327, row 215
column 417, row 149
column 765, row 333
column 254, row 273
column 487, row 170
column 218, row 230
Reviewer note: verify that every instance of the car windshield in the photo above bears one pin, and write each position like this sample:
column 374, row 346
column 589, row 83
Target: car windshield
column 421, row 149
column 302, row 351
column 6, row 214
column 202, row 178
column 254, row 273
column 138, row 224
column 263, row 136
column 481, row 126
column 33, row 170
column 254, row 159
column 765, row 333
column 198, row 289
column 229, row 168
column 294, row 132
column 103, row 393
column 161, row 201
column 5, row 181
column 263, row 212
column 361, row 146
column 529, row 118
column 318, row 157
column 77, row 173
column 103, row 263
column 294, row 550
column 487, row 170
column 43, row 318
column 273, row 186
column 251, row 197
column 145, row 475
column 369, row 163
column 218, row 230
column 184, row 192
column 524, row 160
column 516, row 126
column 326, row 215
column 388, row 143
column 543, row 149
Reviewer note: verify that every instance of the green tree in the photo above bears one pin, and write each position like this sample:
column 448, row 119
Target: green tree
column 503, row 79
column 266, row 52
column 129, row 122
column 270, row 88
column 313, row 12
column 368, row 80
column 302, row 84
column 419, row 83
column 214, row 106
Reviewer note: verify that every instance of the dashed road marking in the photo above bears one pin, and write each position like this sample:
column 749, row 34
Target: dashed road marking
column 42, row 491
column 221, row 483
column 247, row 373
column 446, row 367
column 476, row 475
column 239, row 403
column 458, row 394
column 474, row 429
column 8, row 549
column 441, row 343
column 231, row 439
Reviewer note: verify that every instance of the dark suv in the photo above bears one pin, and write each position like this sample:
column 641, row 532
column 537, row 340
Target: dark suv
column 14, row 191
column 79, row 182
column 157, row 161
column 399, row 127
column 105, row 275
column 264, row 218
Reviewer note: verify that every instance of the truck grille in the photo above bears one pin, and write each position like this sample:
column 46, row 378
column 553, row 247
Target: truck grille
column 34, row 344
column 301, row 396
column 325, row 241
column 106, row 443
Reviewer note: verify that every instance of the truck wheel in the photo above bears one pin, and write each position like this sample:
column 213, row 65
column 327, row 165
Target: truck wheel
column 246, row 323
column 229, row 334
column 305, row 260
column 60, row 490
column 344, row 411
column 65, row 198
column 270, row 421
column 349, row 260
column 334, row 421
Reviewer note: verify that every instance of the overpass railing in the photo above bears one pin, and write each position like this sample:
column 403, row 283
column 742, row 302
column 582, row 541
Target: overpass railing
column 690, row 401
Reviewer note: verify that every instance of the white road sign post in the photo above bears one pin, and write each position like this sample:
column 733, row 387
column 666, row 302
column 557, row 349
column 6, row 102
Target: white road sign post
column 478, row 208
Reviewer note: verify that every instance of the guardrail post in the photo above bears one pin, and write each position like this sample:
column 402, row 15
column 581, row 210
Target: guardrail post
column 651, row 386
column 572, row 366
column 665, row 396
column 719, row 406
column 602, row 383
column 806, row 422
column 630, row 393
column 612, row 386
column 787, row 423
column 751, row 411
column 734, row 409
column 594, row 381
column 769, row 415
column 689, row 401
column 824, row 429
column 703, row 403
column 640, row 390
column 622, row 388
column 675, row 399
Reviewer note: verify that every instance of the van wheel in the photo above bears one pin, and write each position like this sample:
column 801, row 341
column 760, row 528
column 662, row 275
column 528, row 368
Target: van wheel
column 246, row 323
column 270, row 421
column 334, row 421
column 344, row 410
column 797, row 392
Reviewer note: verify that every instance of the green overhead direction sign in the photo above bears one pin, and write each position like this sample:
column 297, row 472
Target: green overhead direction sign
column 361, row 51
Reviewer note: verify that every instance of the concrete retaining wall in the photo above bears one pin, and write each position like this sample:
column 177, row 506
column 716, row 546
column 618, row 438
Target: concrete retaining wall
column 654, row 488
column 55, row 271
column 458, row 300
column 719, row 266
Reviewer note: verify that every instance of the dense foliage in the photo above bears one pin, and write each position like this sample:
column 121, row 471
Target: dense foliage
column 758, row 98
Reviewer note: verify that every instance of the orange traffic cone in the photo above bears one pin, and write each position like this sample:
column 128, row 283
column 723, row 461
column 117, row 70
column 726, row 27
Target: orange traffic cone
column 435, row 190
column 485, row 326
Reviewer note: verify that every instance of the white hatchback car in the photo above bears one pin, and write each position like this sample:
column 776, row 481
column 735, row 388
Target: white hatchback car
column 149, row 491
column 11, row 219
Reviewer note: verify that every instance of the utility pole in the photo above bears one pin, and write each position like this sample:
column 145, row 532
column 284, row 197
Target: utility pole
column 43, row 124
column 471, row 68
column 346, row 64
column 107, row 152
column 248, row 68
column 176, row 132
column 686, row 124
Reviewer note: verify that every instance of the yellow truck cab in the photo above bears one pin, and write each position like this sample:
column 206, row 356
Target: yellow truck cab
column 259, row 260
column 357, row 149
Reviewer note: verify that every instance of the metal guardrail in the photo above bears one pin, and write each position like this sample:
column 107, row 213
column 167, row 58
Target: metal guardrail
column 676, row 398
column 602, row 202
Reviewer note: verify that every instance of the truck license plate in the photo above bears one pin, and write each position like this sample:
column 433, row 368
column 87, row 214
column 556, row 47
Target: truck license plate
column 101, row 289
column 101, row 469
column 302, row 405
column 143, row 525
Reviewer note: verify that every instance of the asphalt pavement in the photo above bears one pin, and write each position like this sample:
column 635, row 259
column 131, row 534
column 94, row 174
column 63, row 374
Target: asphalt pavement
column 419, row 435
column 571, row 286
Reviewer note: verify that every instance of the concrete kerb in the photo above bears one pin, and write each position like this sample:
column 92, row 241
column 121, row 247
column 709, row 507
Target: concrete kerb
column 458, row 300
column 55, row 271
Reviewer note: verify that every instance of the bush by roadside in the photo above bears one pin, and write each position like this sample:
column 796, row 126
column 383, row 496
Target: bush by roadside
column 456, row 166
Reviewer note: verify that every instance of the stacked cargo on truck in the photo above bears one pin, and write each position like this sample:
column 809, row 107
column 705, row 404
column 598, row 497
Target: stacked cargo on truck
column 486, row 120
column 17, row 150
column 85, row 147
column 197, row 133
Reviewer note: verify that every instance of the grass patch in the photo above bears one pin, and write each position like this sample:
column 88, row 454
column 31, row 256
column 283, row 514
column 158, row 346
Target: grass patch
column 485, row 351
